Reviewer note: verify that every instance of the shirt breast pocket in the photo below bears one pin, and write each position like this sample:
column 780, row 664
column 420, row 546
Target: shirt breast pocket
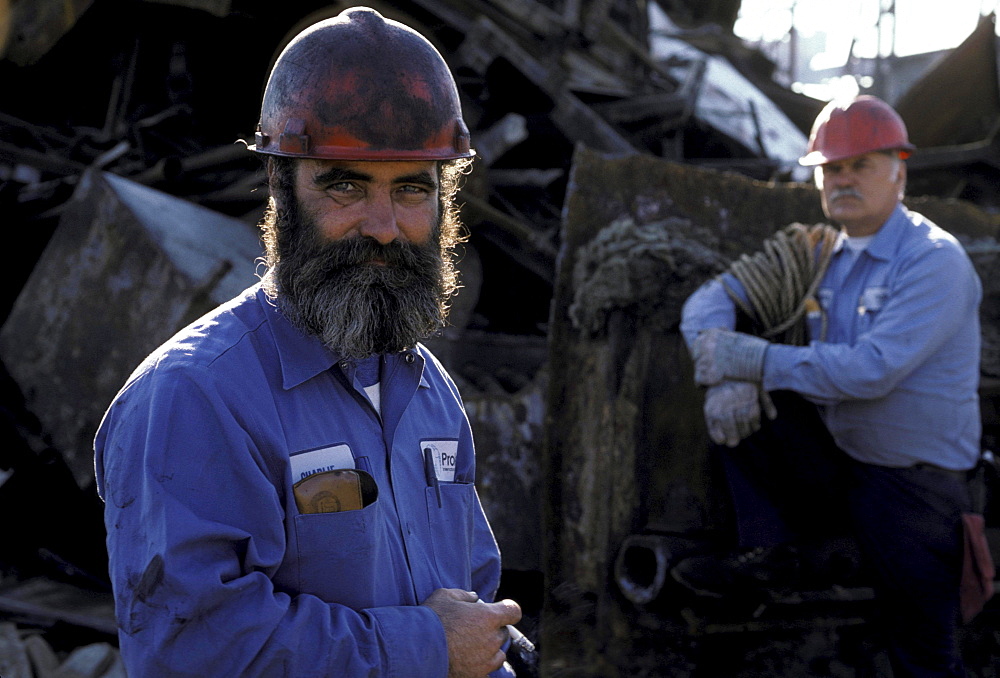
column 870, row 305
column 451, row 526
column 342, row 555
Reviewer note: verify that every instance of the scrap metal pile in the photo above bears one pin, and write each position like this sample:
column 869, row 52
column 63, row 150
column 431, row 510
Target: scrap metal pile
column 161, row 92
column 158, row 95
column 108, row 102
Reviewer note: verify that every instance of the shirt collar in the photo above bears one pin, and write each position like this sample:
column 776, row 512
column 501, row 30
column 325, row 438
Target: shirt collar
column 303, row 356
column 841, row 242
column 886, row 240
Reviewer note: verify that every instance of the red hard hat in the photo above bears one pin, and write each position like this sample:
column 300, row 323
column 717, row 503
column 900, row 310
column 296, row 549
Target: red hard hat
column 359, row 86
column 847, row 129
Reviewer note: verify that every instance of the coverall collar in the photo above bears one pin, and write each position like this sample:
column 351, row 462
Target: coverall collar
column 304, row 356
column 886, row 241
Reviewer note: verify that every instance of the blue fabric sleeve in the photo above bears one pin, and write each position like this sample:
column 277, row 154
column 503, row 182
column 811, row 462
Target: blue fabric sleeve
column 195, row 533
column 932, row 296
column 709, row 306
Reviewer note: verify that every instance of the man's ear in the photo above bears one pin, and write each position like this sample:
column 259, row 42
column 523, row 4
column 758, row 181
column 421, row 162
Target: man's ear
column 276, row 179
column 901, row 178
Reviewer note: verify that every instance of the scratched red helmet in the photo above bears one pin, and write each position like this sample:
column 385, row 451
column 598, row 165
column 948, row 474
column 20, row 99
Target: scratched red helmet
column 359, row 86
column 846, row 129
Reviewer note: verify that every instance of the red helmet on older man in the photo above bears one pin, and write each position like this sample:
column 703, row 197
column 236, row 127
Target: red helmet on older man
column 359, row 86
column 845, row 129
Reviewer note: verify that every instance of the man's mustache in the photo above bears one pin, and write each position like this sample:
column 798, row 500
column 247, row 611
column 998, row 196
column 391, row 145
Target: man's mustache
column 845, row 193
column 364, row 250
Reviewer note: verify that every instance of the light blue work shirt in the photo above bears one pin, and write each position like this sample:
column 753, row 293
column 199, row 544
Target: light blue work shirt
column 216, row 572
column 897, row 374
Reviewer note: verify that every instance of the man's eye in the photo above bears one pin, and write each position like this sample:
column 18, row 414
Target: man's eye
column 413, row 192
column 340, row 186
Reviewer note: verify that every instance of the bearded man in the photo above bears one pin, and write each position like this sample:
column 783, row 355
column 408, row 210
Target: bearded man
column 289, row 482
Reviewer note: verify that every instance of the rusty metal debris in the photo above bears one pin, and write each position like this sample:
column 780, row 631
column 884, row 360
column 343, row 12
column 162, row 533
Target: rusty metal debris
column 107, row 100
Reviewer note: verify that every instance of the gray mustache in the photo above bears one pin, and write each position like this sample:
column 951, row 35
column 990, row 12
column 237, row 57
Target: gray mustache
column 845, row 192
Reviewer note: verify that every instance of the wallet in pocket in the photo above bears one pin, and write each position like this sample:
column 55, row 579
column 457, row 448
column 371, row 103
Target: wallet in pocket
column 334, row 491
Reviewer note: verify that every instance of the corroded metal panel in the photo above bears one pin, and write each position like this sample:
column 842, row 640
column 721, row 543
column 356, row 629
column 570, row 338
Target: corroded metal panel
column 126, row 268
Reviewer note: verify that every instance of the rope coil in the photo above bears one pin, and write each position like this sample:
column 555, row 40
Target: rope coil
column 781, row 281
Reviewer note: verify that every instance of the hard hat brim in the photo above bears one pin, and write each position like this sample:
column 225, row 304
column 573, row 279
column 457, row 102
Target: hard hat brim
column 817, row 158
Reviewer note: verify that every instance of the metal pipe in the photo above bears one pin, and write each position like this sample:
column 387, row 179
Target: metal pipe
column 641, row 567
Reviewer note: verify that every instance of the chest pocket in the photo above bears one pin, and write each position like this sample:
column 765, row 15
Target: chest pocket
column 451, row 527
column 347, row 557
column 869, row 305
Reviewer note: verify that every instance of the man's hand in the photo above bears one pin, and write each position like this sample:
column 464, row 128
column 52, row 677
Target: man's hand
column 475, row 631
column 721, row 355
column 732, row 411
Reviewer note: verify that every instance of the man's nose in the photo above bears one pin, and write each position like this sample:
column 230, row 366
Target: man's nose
column 840, row 179
column 380, row 221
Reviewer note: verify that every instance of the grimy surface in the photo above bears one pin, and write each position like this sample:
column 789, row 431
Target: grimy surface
column 626, row 449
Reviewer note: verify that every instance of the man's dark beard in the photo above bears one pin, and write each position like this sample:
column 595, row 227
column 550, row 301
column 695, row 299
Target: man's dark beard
column 359, row 309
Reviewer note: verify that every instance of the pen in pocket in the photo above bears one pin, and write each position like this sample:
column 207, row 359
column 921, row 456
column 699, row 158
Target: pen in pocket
column 430, row 474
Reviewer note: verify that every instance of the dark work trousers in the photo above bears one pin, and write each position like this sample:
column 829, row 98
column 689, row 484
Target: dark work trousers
column 789, row 481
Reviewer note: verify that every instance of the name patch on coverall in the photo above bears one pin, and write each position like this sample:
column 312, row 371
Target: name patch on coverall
column 443, row 453
column 308, row 462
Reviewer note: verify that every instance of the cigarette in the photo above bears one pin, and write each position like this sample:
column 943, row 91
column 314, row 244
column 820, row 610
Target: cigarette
column 524, row 647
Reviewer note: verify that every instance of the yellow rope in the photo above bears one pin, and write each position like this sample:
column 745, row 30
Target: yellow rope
column 781, row 280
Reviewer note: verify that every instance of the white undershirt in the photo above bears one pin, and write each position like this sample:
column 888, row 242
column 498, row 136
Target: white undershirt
column 368, row 378
column 858, row 243
column 375, row 396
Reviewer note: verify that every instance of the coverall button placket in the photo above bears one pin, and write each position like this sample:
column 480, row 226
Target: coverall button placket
column 400, row 387
column 349, row 371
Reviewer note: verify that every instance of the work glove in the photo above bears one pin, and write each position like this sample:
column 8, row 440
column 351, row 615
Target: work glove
column 733, row 409
column 723, row 354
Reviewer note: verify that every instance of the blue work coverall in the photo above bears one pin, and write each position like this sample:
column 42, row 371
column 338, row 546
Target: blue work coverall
column 894, row 379
column 216, row 572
